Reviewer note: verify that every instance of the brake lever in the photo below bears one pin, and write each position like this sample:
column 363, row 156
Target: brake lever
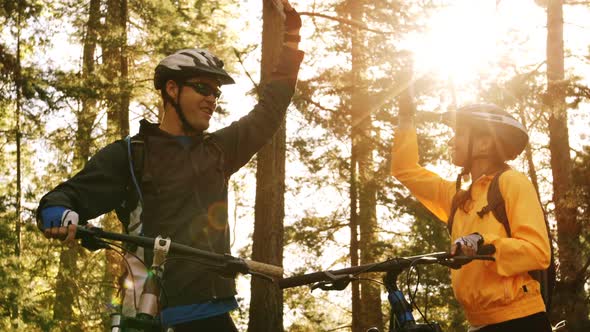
column 89, row 239
column 339, row 282
column 456, row 262
column 231, row 267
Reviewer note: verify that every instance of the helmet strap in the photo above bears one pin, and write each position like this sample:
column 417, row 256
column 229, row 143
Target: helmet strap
column 469, row 161
column 186, row 126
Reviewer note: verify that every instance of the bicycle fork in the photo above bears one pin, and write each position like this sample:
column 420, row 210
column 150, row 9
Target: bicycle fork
column 148, row 307
column 401, row 318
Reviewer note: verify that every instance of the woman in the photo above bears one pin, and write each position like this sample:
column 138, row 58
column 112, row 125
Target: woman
column 500, row 295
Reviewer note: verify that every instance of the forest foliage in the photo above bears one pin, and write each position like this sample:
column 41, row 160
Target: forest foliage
column 56, row 101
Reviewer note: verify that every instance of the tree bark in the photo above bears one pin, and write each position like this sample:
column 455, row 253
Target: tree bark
column 361, row 132
column 570, row 302
column 66, row 291
column 87, row 116
column 266, row 303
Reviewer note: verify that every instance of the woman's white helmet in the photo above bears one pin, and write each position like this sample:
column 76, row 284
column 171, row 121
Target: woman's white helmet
column 188, row 63
column 510, row 135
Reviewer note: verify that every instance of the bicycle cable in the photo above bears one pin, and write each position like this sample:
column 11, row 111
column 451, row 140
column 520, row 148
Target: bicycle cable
column 127, row 266
column 412, row 297
column 371, row 280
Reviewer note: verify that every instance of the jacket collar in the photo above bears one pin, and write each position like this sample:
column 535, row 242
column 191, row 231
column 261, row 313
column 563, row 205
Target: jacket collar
column 147, row 128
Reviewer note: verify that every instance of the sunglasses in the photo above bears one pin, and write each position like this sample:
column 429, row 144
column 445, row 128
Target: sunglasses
column 204, row 89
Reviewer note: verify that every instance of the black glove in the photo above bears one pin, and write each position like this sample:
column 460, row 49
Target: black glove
column 292, row 21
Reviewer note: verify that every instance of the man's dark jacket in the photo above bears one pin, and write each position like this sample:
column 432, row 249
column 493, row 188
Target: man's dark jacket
column 184, row 189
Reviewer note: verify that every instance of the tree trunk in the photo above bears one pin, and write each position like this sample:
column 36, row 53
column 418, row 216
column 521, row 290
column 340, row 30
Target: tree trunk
column 570, row 302
column 87, row 116
column 354, row 239
column 371, row 315
column 266, row 303
column 66, row 291
column 16, row 296
column 113, row 269
column 116, row 73
column 18, row 84
column 361, row 131
column 116, row 69
column 124, row 86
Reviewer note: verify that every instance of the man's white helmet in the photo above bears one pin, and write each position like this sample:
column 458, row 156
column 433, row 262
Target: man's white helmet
column 188, row 63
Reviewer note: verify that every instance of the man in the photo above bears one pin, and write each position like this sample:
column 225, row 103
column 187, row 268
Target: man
column 183, row 184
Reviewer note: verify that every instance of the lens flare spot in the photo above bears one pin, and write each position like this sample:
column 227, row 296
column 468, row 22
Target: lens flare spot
column 128, row 284
column 115, row 302
column 217, row 216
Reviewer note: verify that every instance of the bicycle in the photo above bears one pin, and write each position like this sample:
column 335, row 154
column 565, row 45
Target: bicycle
column 401, row 318
column 146, row 318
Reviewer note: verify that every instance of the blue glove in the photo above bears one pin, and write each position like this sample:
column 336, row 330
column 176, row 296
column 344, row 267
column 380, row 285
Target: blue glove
column 58, row 216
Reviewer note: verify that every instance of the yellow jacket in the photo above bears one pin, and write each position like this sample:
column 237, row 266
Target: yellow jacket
column 490, row 292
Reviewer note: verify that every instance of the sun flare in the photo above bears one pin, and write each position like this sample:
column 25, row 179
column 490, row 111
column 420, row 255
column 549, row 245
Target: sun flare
column 460, row 41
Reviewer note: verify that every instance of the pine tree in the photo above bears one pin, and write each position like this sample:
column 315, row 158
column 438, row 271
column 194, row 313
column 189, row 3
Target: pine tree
column 570, row 300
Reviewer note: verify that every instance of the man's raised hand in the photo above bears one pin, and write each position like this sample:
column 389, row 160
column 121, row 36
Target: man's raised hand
column 292, row 25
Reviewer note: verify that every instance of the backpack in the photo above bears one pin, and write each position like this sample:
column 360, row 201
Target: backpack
column 496, row 205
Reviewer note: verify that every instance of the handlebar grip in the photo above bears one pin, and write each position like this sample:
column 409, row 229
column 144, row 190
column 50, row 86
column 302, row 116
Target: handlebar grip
column 486, row 249
column 266, row 269
column 253, row 266
column 300, row 280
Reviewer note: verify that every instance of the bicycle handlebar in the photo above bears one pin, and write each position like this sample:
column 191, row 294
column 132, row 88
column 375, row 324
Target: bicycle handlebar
column 234, row 264
column 399, row 264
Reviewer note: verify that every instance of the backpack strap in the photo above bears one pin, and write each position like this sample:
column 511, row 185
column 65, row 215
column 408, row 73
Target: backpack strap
column 128, row 211
column 496, row 203
column 135, row 156
column 454, row 207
